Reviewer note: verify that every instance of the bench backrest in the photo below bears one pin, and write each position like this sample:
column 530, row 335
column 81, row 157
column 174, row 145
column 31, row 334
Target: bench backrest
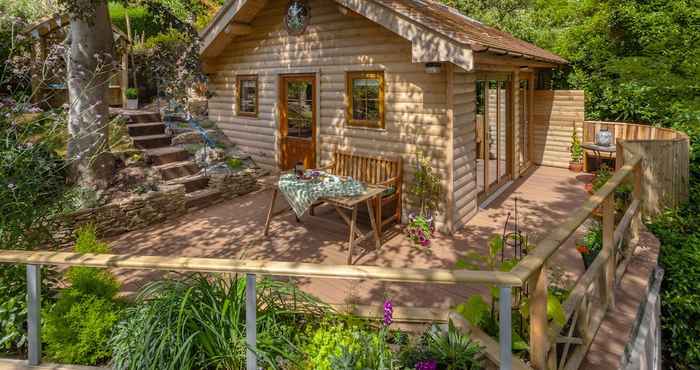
column 369, row 169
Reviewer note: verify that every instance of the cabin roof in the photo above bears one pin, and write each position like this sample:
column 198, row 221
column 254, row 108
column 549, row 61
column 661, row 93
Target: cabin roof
column 431, row 16
column 48, row 24
column 465, row 30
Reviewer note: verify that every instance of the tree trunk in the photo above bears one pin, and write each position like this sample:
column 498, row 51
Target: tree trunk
column 90, row 66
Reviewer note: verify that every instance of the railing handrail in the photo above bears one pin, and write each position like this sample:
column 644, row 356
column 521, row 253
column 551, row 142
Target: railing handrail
column 549, row 245
column 271, row 268
column 679, row 135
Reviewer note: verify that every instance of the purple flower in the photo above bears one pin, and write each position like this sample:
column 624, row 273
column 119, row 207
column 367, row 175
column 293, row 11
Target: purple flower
column 426, row 365
column 388, row 313
column 425, row 242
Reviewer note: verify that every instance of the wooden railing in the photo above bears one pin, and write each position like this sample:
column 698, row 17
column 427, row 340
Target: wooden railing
column 584, row 308
column 629, row 131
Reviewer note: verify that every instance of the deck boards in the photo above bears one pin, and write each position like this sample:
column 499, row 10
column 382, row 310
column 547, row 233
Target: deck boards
column 233, row 229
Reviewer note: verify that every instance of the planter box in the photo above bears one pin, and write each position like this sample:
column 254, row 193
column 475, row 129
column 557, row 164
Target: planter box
column 132, row 104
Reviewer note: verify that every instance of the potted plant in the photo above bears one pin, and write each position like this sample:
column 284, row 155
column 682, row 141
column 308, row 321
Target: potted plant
column 132, row 98
column 591, row 245
column 576, row 163
column 426, row 188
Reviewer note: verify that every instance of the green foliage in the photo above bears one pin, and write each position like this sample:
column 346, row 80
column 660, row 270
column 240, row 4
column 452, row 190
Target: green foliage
column 199, row 322
column 340, row 345
column 426, row 186
column 234, row 163
column 143, row 23
column 77, row 328
column 601, row 177
column 132, row 93
column 575, row 150
column 451, row 349
column 592, row 243
column 679, row 234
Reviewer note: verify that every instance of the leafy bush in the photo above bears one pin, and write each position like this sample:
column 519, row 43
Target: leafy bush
column 679, row 234
column 575, row 150
column 234, row 163
column 448, row 349
column 78, row 326
column 199, row 322
column 349, row 345
column 132, row 93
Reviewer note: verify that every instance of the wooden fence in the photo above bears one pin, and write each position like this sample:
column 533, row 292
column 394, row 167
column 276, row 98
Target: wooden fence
column 665, row 157
column 550, row 346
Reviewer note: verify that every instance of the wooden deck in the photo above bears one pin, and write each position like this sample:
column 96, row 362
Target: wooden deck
column 233, row 229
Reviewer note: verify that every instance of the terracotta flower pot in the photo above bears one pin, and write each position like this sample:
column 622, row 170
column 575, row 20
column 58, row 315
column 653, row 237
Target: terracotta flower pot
column 575, row 166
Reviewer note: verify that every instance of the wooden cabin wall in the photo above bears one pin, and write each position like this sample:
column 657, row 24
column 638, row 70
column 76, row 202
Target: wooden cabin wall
column 556, row 114
column 334, row 43
column 464, row 148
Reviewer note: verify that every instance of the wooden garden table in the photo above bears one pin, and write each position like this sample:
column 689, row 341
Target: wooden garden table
column 370, row 197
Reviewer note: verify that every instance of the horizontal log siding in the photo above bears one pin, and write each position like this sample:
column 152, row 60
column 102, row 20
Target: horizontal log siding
column 333, row 43
column 464, row 170
column 556, row 114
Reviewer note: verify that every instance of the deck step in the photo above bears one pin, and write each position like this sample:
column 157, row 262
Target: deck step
column 201, row 198
column 175, row 170
column 145, row 129
column 144, row 117
column 165, row 155
column 151, row 141
column 192, row 183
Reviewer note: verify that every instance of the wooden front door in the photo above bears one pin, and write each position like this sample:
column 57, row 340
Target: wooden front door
column 298, row 121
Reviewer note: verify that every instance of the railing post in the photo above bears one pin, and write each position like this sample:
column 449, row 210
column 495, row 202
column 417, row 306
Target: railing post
column 538, row 320
column 637, row 195
column 34, row 314
column 609, row 246
column 505, row 328
column 250, row 323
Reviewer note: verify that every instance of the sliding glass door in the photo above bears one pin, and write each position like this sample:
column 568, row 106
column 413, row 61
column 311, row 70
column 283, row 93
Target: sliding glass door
column 493, row 131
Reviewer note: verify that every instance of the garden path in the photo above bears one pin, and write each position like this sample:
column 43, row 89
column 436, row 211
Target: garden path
column 233, row 229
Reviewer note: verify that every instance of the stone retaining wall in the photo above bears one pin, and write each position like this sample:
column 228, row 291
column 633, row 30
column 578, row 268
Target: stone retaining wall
column 129, row 214
column 231, row 185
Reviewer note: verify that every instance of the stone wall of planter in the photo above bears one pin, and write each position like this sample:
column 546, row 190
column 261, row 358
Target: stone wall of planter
column 126, row 215
column 231, row 185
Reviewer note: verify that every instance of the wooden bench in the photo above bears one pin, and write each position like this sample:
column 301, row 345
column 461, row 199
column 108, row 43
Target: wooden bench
column 374, row 171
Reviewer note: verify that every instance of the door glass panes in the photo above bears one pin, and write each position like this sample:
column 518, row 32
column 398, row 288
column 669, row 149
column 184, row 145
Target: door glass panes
column 502, row 128
column 299, row 109
column 524, row 129
column 481, row 135
column 365, row 99
column 492, row 111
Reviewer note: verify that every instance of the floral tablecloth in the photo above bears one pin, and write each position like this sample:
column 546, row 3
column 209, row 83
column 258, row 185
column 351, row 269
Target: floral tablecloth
column 301, row 194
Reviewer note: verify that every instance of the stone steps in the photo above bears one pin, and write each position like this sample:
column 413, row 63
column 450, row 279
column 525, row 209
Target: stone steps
column 145, row 129
column 174, row 170
column 165, row 155
column 144, row 117
column 151, row 141
column 192, row 183
column 201, row 198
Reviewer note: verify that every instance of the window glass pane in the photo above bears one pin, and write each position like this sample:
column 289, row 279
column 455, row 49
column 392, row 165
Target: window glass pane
column 248, row 96
column 366, row 99
column 299, row 109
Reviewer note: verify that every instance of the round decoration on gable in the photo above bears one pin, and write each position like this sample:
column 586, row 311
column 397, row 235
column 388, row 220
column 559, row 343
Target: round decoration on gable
column 297, row 18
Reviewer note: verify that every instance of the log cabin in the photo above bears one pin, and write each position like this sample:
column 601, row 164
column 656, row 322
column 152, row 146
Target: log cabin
column 297, row 80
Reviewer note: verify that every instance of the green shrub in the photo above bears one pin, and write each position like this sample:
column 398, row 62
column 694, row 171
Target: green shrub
column 132, row 93
column 234, row 163
column 449, row 349
column 77, row 328
column 679, row 234
column 328, row 343
column 199, row 322
column 143, row 23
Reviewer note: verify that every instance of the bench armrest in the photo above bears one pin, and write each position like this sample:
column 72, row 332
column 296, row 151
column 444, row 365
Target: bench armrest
column 393, row 180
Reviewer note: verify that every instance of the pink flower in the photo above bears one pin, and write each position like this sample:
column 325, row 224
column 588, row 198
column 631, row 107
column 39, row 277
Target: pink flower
column 426, row 365
column 388, row 313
